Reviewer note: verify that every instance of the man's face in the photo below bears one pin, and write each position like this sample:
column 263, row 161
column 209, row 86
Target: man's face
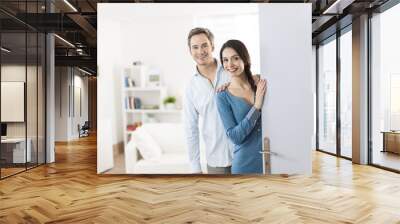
column 201, row 49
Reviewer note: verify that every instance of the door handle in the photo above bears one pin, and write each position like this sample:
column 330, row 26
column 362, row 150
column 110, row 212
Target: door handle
column 268, row 152
column 266, row 156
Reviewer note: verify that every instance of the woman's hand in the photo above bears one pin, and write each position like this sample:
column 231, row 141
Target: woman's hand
column 223, row 87
column 260, row 93
column 256, row 78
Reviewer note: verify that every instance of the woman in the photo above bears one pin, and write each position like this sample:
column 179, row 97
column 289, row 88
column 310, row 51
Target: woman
column 239, row 106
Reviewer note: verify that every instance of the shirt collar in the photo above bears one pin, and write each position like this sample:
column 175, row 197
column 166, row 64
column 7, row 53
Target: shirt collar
column 219, row 67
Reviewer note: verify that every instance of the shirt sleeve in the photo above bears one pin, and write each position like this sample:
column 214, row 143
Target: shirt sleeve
column 236, row 132
column 191, row 125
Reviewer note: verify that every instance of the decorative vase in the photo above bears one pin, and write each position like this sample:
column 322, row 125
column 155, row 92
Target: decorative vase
column 170, row 106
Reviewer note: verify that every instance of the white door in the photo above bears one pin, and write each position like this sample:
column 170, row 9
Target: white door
column 288, row 111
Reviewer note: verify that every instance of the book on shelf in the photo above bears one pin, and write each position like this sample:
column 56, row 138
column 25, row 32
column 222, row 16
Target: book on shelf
column 137, row 103
column 132, row 103
column 129, row 82
column 132, row 127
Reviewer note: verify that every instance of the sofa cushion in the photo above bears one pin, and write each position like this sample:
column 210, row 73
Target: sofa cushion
column 148, row 147
column 171, row 163
column 169, row 136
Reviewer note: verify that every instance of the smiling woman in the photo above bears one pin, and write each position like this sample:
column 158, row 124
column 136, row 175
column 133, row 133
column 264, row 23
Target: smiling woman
column 239, row 108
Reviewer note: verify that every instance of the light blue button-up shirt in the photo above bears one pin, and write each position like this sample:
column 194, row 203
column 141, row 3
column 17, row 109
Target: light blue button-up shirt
column 201, row 116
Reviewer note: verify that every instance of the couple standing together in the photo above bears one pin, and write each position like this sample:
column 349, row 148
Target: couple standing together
column 229, row 119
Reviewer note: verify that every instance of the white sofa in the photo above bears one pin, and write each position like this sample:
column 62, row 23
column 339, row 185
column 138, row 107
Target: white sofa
column 163, row 150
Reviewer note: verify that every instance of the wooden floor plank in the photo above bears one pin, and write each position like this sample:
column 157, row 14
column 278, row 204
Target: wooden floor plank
column 70, row 191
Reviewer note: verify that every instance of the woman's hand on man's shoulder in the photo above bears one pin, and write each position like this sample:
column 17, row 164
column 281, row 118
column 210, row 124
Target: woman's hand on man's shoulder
column 222, row 87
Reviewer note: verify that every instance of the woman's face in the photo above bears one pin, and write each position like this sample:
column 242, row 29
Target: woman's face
column 232, row 62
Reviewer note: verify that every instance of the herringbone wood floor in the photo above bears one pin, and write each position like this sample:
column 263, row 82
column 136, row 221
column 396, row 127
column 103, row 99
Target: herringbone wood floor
column 70, row 191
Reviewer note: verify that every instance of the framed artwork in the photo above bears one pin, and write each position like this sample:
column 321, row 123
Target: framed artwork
column 153, row 79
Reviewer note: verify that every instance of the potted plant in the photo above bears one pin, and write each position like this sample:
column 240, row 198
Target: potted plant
column 169, row 103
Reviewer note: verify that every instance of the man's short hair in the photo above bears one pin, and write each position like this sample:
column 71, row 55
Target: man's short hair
column 200, row 30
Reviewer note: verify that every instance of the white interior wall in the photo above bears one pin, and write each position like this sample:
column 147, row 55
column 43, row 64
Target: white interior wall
column 66, row 121
column 173, row 58
column 15, row 73
column 80, row 82
column 109, row 117
column 61, row 104
column 314, row 83
column 35, row 123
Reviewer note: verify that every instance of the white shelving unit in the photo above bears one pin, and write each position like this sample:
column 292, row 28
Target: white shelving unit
column 149, row 89
column 151, row 108
column 150, row 111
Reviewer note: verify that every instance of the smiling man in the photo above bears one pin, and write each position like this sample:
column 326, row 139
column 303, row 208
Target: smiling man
column 200, row 108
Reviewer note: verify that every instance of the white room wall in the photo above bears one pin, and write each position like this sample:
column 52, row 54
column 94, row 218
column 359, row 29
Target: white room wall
column 81, row 82
column 314, row 83
column 17, row 73
column 109, row 116
column 65, row 122
column 61, row 104
column 12, row 73
column 141, row 46
column 35, row 103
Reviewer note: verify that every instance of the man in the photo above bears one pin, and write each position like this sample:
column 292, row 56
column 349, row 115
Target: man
column 199, row 104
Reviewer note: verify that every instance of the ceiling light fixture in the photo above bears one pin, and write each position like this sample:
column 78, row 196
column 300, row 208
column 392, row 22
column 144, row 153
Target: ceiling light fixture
column 5, row 50
column 86, row 72
column 70, row 5
column 337, row 7
column 64, row 40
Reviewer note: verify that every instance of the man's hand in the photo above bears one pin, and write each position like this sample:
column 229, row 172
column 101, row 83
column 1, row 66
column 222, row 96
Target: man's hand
column 223, row 87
